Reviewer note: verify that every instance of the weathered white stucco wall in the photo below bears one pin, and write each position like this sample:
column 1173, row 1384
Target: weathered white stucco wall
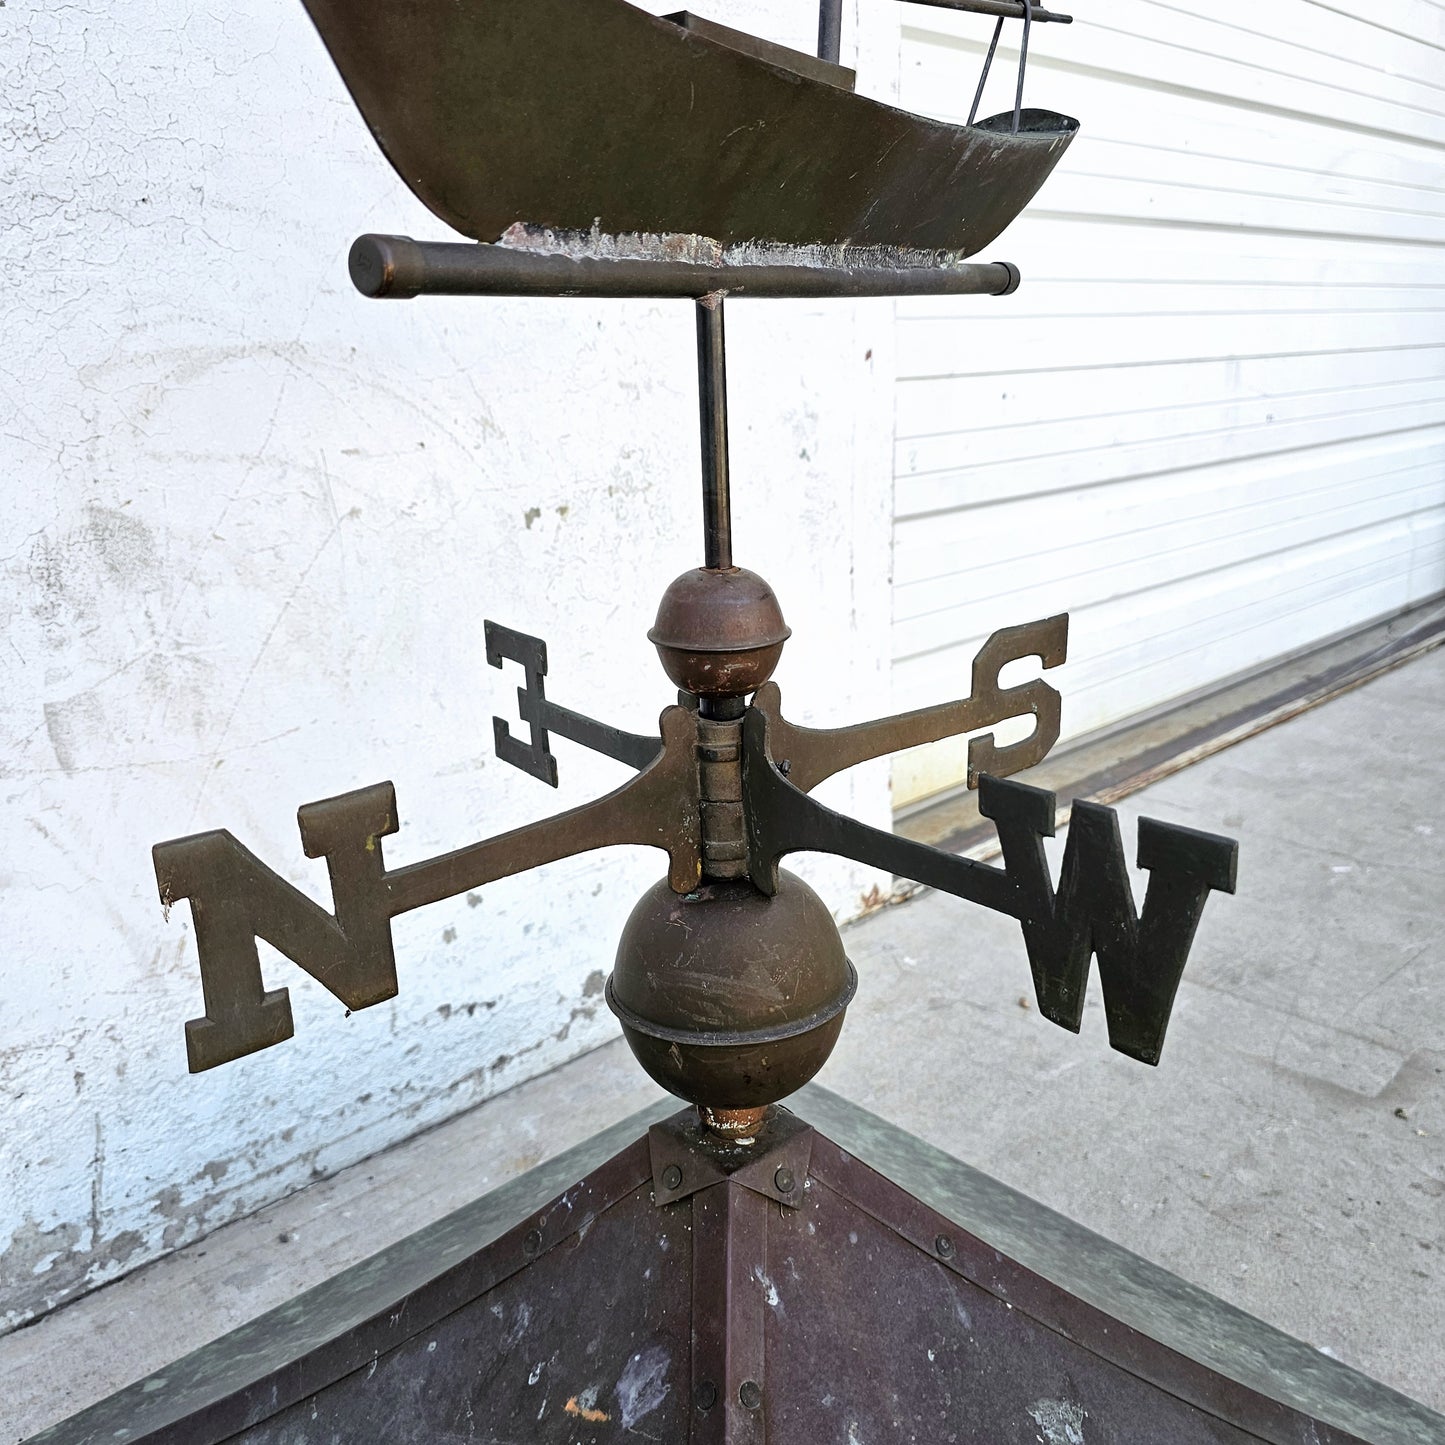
column 251, row 527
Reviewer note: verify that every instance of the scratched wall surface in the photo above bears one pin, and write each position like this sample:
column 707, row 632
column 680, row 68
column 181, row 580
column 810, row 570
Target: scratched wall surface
column 252, row 525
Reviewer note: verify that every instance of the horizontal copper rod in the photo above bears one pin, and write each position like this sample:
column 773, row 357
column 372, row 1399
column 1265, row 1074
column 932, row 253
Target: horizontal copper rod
column 397, row 266
column 1008, row 9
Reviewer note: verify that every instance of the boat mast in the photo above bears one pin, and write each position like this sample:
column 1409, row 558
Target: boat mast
column 830, row 29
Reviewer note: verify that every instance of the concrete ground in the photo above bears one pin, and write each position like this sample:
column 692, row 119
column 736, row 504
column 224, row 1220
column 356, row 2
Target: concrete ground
column 1289, row 1154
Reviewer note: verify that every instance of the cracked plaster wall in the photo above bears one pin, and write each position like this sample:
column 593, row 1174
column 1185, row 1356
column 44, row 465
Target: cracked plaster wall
column 252, row 525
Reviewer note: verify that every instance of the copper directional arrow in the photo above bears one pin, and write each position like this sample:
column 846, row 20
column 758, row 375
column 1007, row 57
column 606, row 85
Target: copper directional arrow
column 235, row 899
column 1141, row 955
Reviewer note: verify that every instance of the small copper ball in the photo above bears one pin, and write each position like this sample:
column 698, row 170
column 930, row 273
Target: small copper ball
column 728, row 998
column 719, row 633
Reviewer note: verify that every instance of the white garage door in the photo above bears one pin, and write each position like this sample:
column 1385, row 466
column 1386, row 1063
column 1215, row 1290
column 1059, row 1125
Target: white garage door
column 1212, row 423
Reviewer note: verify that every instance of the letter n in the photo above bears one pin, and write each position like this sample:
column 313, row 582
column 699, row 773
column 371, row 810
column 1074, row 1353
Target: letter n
column 235, row 899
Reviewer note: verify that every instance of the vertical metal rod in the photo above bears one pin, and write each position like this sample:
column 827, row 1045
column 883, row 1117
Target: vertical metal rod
column 712, row 397
column 987, row 66
column 830, row 29
column 1023, row 62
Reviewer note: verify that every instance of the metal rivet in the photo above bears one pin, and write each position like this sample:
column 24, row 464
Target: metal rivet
column 750, row 1394
column 706, row 1396
column 944, row 1245
column 672, row 1177
column 533, row 1242
column 784, row 1180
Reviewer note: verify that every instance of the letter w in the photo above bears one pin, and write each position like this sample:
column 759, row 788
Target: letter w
column 1141, row 956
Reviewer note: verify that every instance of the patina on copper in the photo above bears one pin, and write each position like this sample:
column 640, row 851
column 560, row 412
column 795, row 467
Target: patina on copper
column 729, row 998
column 660, row 1282
column 583, row 113
column 719, row 633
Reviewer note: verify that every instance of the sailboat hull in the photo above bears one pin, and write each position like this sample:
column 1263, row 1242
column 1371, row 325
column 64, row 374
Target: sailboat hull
column 583, row 114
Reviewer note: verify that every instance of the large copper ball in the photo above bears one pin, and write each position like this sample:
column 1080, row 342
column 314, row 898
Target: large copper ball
column 719, row 633
column 728, row 998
